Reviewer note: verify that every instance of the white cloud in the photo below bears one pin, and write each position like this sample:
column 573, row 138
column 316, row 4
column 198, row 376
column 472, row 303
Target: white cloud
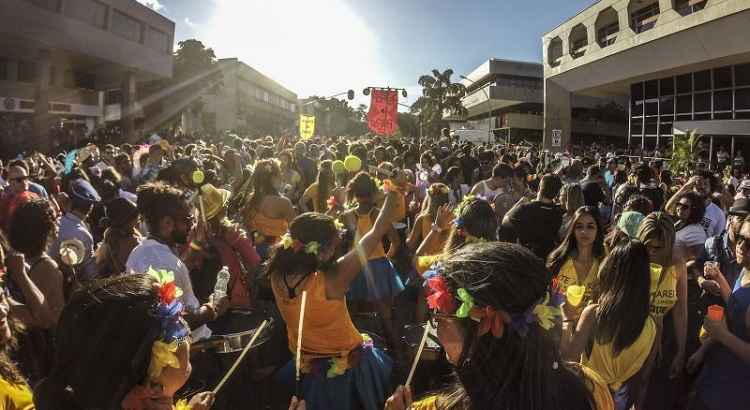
column 189, row 22
column 154, row 4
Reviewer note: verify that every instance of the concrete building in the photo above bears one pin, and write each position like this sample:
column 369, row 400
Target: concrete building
column 507, row 97
column 682, row 64
column 61, row 60
column 247, row 102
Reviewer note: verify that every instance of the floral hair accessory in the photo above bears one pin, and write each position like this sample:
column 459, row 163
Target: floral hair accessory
column 464, row 203
column 287, row 242
column 439, row 296
column 339, row 225
column 173, row 329
column 490, row 320
column 467, row 303
column 332, row 202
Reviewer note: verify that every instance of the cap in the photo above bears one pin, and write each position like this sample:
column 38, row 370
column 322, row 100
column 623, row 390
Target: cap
column 629, row 222
column 81, row 190
column 120, row 211
column 740, row 207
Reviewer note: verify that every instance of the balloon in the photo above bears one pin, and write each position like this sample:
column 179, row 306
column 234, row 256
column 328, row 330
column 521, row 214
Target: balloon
column 338, row 167
column 198, row 177
column 352, row 163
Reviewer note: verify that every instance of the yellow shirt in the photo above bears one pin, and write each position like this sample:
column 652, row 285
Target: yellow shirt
column 616, row 370
column 663, row 290
column 364, row 224
column 15, row 397
column 568, row 276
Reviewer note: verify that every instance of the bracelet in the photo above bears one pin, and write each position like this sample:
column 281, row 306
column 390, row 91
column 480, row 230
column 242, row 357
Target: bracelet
column 194, row 246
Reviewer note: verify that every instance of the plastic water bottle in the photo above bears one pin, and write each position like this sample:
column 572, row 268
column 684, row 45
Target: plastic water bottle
column 222, row 282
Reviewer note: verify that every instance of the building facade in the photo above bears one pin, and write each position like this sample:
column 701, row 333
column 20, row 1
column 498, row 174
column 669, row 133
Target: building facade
column 682, row 65
column 60, row 58
column 247, row 102
column 507, row 97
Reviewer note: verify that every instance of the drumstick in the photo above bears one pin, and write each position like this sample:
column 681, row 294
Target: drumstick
column 239, row 359
column 203, row 211
column 298, row 359
column 419, row 353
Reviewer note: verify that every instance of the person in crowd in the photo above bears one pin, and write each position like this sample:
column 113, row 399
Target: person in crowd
column 668, row 304
column 690, row 234
column 267, row 213
column 319, row 192
column 14, row 195
column 488, row 304
column 438, row 195
column 647, row 185
column 609, row 174
column 536, row 224
column 454, row 179
column 124, row 166
column 171, row 221
column 305, row 166
column 305, row 262
column 714, row 219
column 74, row 226
column 291, row 180
column 593, row 195
column 571, row 198
column 31, row 185
column 154, row 164
column 576, row 261
column 379, row 283
column 615, row 334
column 120, row 238
column 498, row 184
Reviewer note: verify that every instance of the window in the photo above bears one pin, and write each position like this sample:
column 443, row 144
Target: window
column 684, row 83
column 742, row 75
column 608, row 34
column 3, row 69
column 665, row 128
column 742, row 99
column 88, row 11
column 126, row 26
column 723, row 77
column 652, row 89
column 684, row 104
column 636, row 126
column 687, row 7
column 723, row 116
column 702, row 80
column 636, row 91
column 651, row 126
column 645, row 18
column 555, row 52
column 52, row 5
column 666, row 105
column 26, row 71
column 702, row 102
column 266, row 96
column 652, row 107
column 723, row 100
column 666, row 86
column 637, row 108
column 157, row 40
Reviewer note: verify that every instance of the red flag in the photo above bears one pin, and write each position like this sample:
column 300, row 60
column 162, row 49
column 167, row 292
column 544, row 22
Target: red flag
column 383, row 116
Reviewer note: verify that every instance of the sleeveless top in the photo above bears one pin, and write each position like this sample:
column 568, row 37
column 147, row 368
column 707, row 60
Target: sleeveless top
column 568, row 276
column 663, row 290
column 15, row 397
column 364, row 224
column 490, row 194
column 313, row 193
column 328, row 330
column 616, row 370
column 425, row 228
column 269, row 227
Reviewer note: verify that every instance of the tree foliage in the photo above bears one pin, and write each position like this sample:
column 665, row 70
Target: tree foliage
column 440, row 96
column 686, row 153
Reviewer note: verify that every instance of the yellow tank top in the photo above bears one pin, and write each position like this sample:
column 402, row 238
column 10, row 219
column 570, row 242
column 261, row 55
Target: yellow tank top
column 328, row 330
column 615, row 370
column 568, row 276
column 15, row 397
column 313, row 192
column 663, row 289
column 364, row 224
column 269, row 227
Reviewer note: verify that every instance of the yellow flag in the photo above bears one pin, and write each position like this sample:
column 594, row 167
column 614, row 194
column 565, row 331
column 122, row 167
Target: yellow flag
column 306, row 126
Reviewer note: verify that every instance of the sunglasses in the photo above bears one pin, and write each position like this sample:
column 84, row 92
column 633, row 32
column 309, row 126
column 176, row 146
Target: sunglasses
column 681, row 205
column 19, row 179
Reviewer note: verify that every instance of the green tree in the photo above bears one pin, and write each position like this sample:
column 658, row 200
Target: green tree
column 685, row 154
column 408, row 124
column 439, row 96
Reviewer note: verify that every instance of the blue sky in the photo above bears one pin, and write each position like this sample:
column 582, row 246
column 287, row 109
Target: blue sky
column 325, row 46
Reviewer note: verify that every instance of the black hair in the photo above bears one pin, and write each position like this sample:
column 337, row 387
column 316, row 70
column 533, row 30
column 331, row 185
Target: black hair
column 362, row 185
column 502, row 171
column 639, row 203
column 308, row 227
column 550, row 186
column 569, row 245
column 157, row 200
column 477, row 218
column 697, row 207
column 32, row 224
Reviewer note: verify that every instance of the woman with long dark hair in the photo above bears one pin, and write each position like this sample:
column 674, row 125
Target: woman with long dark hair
column 615, row 334
column 437, row 196
column 319, row 192
column 305, row 261
column 576, row 261
column 267, row 213
column 492, row 307
column 690, row 235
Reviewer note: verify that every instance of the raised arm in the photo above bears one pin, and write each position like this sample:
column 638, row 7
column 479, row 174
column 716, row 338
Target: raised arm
column 575, row 335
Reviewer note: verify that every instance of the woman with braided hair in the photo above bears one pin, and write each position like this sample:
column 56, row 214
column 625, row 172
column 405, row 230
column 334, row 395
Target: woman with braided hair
column 318, row 193
column 341, row 368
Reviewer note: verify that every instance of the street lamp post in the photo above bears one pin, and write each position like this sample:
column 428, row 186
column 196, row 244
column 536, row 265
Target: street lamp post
column 489, row 111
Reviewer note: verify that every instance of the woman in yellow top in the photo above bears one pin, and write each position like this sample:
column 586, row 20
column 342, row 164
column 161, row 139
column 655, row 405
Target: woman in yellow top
column 576, row 260
column 491, row 306
column 14, row 392
column 437, row 195
column 615, row 334
column 668, row 304
column 341, row 368
column 318, row 193
column 267, row 213
column 376, row 286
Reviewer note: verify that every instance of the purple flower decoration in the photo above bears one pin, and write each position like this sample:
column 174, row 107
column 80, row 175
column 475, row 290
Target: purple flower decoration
column 172, row 327
column 521, row 321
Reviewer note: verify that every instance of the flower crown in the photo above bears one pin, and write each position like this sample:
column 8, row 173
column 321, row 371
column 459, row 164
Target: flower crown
column 287, row 242
column 461, row 304
column 173, row 330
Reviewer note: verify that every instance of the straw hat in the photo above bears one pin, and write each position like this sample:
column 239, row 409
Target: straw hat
column 214, row 199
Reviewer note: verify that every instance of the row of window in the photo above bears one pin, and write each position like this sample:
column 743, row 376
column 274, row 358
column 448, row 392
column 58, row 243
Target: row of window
column 97, row 14
column 268, row 98
column 26, row 73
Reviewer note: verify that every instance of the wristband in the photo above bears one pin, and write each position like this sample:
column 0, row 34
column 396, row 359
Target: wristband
column 194, row 246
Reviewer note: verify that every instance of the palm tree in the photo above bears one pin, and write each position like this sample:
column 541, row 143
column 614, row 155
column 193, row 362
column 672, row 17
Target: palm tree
column 439, row 96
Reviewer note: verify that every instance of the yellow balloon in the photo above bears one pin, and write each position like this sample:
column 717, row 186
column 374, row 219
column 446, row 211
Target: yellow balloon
column 574, row 294
column 352, row 163
column 338, row 167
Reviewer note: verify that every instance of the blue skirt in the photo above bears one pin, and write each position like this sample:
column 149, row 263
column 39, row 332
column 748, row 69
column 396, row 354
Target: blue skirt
column 366, row 385
column 379, row 280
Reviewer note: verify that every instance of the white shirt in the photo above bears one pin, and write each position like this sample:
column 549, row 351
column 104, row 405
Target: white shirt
column 714, row 220
column 151, row 253
column 690, row 236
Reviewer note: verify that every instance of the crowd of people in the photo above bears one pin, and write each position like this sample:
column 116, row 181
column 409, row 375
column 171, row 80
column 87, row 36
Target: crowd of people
column 545, row 281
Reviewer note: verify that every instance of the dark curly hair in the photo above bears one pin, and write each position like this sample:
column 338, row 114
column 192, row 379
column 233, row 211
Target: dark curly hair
column 157, row 200
column 361, row 185
column 32, row 227
column 306, row 228
column 476, row 218
column 697, row 208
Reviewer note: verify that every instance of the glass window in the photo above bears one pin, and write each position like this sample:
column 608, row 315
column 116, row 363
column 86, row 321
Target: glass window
column 26, row 71
column 652, row 89
column 702, row 117
column 684, row 117
column 666, row 106
column 126, row 26
column 88, row 11
column 637, row 108
column 742, row 115
column 684, row 104
column 723, row 116
column 723, row 100
column 666, row 86
column 702, row 102
column 702, row 80
column 652, row 108
column 157, row 40
column 636, row 91
column 723, row 77
column 3, row 69
column 645, row 18
column 665, row 128
column 742, row 74
column 742, row 99
column 651, row 126
column 684, row 83
column 636, row 127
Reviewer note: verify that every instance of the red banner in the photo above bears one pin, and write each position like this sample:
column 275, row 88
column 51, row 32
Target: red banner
column 383, row 116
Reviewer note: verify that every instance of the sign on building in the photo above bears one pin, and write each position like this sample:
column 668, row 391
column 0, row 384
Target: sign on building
column 557, row 138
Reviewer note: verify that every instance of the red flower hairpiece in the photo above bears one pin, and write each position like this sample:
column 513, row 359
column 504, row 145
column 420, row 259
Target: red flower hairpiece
column 332, row 202
column 440, row 297
column 490, row 320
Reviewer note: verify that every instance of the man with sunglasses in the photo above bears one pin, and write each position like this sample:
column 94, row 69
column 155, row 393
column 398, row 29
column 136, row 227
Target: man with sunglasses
column 15, row 194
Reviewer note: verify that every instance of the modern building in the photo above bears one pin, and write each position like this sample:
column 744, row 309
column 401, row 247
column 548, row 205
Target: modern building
column 61, row 59
column 682, row 65
column 246, row 101
column 507, row 97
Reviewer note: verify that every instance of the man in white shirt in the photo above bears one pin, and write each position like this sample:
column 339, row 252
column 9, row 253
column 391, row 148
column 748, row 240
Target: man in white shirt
column 714, row 219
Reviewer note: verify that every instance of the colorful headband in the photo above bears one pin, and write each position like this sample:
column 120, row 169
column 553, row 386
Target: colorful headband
column 464, row 203
column 296, row 245
column 173, row 330
column 461, row 305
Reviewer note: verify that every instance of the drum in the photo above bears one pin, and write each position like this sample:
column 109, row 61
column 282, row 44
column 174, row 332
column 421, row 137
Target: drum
column 413, row 335
column 370, row 324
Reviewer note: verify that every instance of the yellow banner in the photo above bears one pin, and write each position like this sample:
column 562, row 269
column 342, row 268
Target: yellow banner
column 306, row 126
